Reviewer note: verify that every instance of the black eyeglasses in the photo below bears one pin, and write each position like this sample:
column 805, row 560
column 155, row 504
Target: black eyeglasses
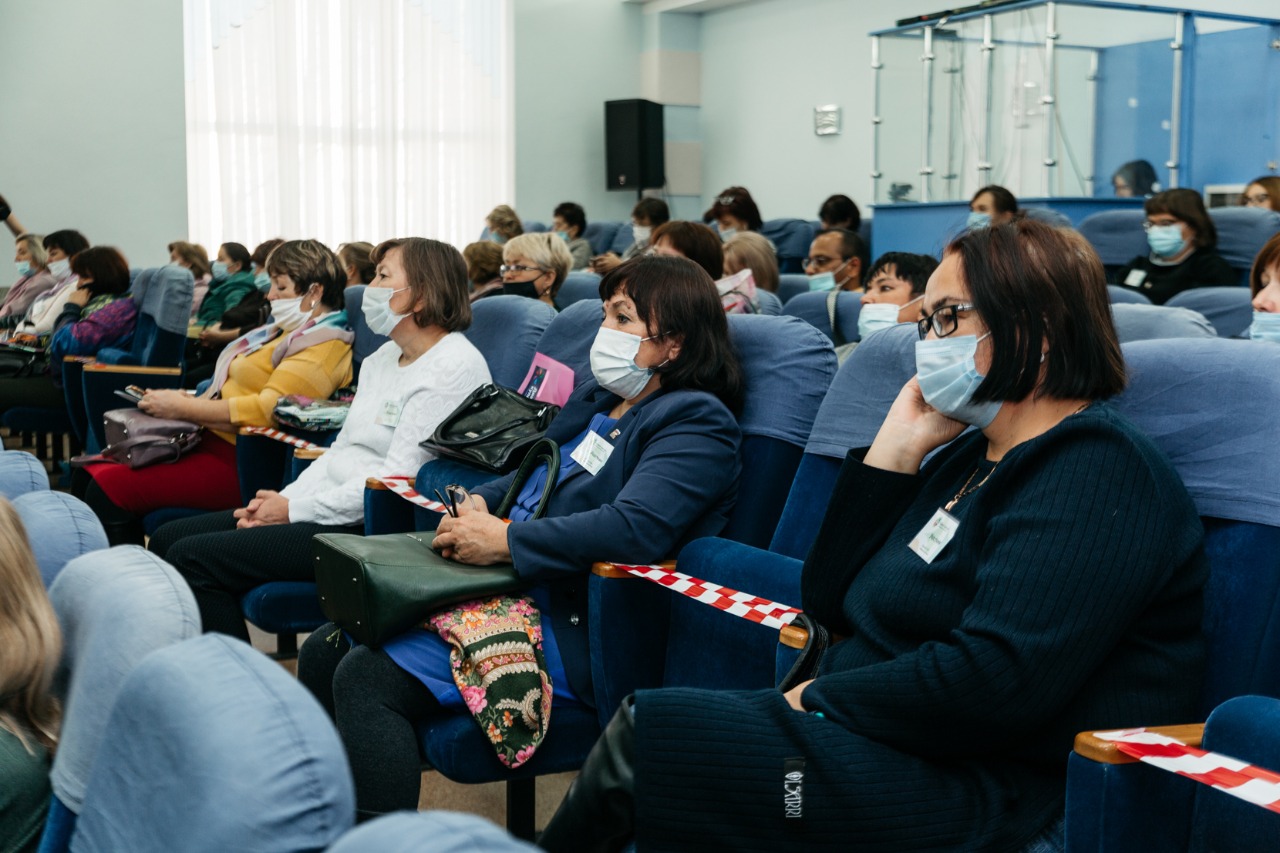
column 944, row 321
column 1148, row 225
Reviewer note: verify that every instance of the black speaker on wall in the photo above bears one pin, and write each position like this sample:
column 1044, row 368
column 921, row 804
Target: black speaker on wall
column 634, row 157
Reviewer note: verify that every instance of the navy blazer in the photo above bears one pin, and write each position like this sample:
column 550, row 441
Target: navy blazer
column 672, row 478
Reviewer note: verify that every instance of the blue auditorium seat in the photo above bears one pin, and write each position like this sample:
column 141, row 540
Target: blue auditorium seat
column 436, row 831
column 60, row 528
column 769, row 303
column 1117, row 236
column 601, row 235
column 812, row 308
column 791, row 285
column 1242, row 232
column 20, row 472
column 791, row 239
column 506, row 330
column 1136, row 322
column 1228, row 309
column 1126, row 295
column 577, row 286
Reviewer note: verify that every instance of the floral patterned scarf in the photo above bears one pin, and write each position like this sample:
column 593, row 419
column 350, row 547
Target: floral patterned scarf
column 498, row 665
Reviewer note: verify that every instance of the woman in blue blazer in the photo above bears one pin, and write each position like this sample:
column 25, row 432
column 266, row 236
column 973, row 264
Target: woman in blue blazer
column 649, row 461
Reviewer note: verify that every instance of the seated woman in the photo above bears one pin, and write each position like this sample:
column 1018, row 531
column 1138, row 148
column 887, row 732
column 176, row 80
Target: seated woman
column 1135, row 179
column 734, row 210
column 749, row 250
column 484, row 268
column 666, row 379
column 34, row 279
column 535, row 265
column 307, row 350
column 569, row 223
column 647, row 215
column 357, row 260
column 419, row 300
column 29, row 714
column 60, row 247
column 693, row 240
column 894, row 291
column 1022, row 584
column 259, row 260
column 1264, row 282
column 194, row 257
column 840, row 211
column 1263, row 193
column 232, row 283
column 992, row 205
column 502, row 224
column 1183, row 255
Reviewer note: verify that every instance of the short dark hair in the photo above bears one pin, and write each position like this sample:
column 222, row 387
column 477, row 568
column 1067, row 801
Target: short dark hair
column 907, row 266
column 695, row 241
column 652, row 209
column 105, row 267
column 573, row 215
column 310, row 262
column 675, row 297
column 840, row 208
column 851, row 245
column 1139, row 176
column 1268, row 255
column 1185, row 206
column 738, row 203
column 1030, row 283
column 69, row 241
column 437, row 276
column 1001, row 197
column 237, row 254
column 263, row 251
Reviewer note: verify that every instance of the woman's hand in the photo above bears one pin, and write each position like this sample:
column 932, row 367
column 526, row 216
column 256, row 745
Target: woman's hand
column 793, row 695
column 165, row 403
column 475, row 537
column 267, row 507
column 80, row 296
column 910, row 432
column 215, row 335
column 602, row 264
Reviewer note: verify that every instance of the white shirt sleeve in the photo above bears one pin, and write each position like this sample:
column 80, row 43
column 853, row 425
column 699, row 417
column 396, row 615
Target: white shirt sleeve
column 46, row 309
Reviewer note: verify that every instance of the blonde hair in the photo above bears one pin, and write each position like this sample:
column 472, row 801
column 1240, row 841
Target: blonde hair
column 29, row 636
column 359, row 255
column 35, row 248
column 194, row 255
column 504, row 222
column 751, row 250
column 545, row 250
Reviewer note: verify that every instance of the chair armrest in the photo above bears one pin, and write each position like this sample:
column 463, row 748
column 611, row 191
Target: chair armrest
column 793, row 636
column 379, row 486
column 1094, row 748
column 83, row 359
column 133, row 368
column 611, row 570
column 308, row 454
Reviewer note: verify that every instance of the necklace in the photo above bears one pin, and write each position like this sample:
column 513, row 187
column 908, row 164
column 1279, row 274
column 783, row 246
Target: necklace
column 965, row 490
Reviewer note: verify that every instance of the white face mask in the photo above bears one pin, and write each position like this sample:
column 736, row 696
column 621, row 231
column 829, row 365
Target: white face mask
column 377, row 309
column 288, row 313
column 640, row 233
column 726, row 233
column 875, row 316
column 61, row 269
column 613, row 362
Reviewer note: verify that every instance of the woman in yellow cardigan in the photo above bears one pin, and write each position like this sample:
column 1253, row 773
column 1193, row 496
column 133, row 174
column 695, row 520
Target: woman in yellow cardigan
column 306, row 350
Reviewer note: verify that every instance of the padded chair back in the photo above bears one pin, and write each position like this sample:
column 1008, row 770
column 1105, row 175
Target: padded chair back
column 437, row 831
column 506, row 329
column 366, row 341
column 770, row 304
column 59, row 528
column 569, row 335
column 164, row 296
column 1136, row 322
column 1242, row 231
column 213, row 746
column 1244, row 728
column 600, row 235
column 791, row 239
column 791, row 285
column 1125, row 295
column 20, row 472
column 623, row 239
column 1047, row 215
column 115, row 608
column 576, row 287
column 1228, row 309
column 533, row 227
column 812, row 308
column 1117, row 235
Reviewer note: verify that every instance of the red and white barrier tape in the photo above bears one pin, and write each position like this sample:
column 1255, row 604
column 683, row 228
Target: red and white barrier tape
column 280, row 435
column 771, row 614
column 400, row 485
column 1229, row 775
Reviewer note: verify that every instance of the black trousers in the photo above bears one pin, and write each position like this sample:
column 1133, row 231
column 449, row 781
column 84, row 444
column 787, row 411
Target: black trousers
column 222, row 563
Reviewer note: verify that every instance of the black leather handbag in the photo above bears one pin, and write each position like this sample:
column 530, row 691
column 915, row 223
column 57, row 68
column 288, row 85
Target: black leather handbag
column 493, row 429
column 377, row 587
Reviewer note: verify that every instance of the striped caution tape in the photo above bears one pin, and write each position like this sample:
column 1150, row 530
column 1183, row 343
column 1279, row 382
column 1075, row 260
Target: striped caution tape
column 401, row 486
column 762, row 611
column 279, row 435
column 1231, row 776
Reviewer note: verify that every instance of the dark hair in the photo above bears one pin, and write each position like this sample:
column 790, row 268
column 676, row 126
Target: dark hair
column 264, row 250
column 105, row 267
column 1001, row 197
column 675, row 297
column 1138, row 175
column 237, row 254
column 909, row 267
column 359, row 255
column 838, row 209
column 70, row 242
column 573, row 215
column 1185, row 206
column 695, row 241
column 1030, row 283
column 483, row 259
column 437, row 277
column 652, row 209
column 1268, row 255
column 738, row 203
column 851, row 245
column 310, row 262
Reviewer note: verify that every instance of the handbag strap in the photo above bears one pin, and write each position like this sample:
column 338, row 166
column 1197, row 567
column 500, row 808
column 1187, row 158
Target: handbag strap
column 833, row 299
column 546, row 451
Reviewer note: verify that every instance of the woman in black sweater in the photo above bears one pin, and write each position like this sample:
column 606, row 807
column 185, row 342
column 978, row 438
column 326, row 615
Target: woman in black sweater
column 1183, row 242
column 1039, row 577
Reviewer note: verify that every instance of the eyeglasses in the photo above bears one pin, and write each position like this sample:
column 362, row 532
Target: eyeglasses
column 1148, row 225
column 506, row 268
column 944, row 321
column 727, row 200
column 820, row 261
column 1258, row 198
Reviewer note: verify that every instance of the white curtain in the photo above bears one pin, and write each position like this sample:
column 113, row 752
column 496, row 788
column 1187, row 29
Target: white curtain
column 346, row 120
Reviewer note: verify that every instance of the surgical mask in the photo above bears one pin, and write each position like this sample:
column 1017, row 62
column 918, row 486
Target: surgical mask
column 825, row 281
column 978, row 220
column 613, row 362
column 220, row 269
column 262, row 280
column 288, row 313
column 948, row 377
column 377, row 309
column 726, row 233
column 521, row 288
column 875, row 316
column 24, row 268
column 61, row 269
column 1265, row 327
column 1166, row 240
column 640, row 233
column 563, row 235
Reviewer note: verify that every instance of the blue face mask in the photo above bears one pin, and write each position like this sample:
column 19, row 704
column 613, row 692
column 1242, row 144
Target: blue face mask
column 726, row 233
column 262, row 280
column 948, row 377
column 1265, row 327
column 978, row 220
column 219, row 269
column 823, row 281
column 563, row 235
column 24, row 268
column 1166, row 240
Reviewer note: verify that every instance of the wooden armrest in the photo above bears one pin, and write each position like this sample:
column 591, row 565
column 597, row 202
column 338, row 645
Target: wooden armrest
column 379, row 486
column 1106, row 752
column 82, row 359
column 308, row 453
column 793, row 636
column 133, row 368
column 611, row 570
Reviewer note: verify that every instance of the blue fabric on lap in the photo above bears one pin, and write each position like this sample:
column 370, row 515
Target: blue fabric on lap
column 531, row 495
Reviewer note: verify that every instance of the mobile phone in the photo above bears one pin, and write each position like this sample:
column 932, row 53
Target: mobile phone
column 132, row 393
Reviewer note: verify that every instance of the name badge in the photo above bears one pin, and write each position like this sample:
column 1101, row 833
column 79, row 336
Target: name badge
column 389, row 415
column 935, row 535
column 1135, row 278
column 592, row 453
